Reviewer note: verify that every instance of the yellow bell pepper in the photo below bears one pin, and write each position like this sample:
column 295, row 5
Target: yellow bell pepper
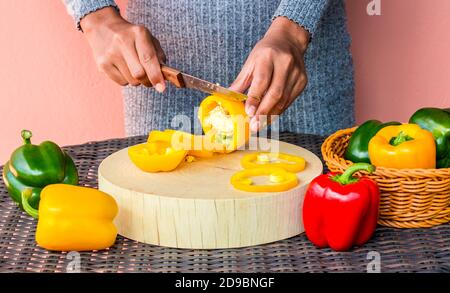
column 224, row 122
column 74, row 218
column 156, row 135
column 404, row 146
column 156, row 156
column 200, row 147
column 196, row 145
column 273, row 179
column 288, row 162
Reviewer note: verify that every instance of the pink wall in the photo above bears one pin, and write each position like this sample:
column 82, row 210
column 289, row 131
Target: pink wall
column 49, row 82
column 401, row 57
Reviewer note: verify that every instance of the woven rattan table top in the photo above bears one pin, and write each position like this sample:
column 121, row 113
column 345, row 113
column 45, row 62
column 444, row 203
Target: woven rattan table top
column 408, row 250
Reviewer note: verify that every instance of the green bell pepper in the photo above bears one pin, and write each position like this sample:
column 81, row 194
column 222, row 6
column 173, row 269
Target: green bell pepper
column 35, row 166
column 437, row 121
column 358, row 147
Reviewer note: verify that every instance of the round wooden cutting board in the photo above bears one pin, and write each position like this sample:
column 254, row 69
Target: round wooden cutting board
column 195, row 206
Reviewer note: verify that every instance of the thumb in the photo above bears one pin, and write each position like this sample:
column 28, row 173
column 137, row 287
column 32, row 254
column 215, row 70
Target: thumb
column 251, row 105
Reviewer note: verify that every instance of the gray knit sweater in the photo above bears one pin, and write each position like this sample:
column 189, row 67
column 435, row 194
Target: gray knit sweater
column 212, row 38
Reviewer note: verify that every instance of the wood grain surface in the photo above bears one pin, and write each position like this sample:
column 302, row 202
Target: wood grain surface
column 195, row 205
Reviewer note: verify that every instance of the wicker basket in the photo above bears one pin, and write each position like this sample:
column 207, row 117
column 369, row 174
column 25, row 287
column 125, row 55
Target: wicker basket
column 410, row 198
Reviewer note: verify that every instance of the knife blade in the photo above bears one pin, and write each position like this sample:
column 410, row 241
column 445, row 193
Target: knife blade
column 183, row 80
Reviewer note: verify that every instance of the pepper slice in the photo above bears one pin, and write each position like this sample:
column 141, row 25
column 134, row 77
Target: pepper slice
column 156, row 156
column 288, row 162
column 279, row 179
column 196, row 145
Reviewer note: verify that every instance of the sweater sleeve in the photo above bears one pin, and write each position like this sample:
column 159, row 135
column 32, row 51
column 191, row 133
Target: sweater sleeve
column 306, row 13
column 80, row 8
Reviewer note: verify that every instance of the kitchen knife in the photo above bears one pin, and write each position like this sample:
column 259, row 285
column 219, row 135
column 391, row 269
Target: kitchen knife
column 183, row 80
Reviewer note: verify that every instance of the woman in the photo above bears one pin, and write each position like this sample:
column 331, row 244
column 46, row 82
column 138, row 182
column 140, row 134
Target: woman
column 290, row 56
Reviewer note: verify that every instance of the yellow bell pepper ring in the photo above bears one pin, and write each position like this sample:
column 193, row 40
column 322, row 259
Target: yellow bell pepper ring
column 271, row 179
column 288, row 162
column 225, row 121
column 75, row 218
column 404, row 146
column 156, row 156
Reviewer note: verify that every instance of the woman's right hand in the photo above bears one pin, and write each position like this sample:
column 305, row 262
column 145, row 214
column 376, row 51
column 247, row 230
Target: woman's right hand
column 126, row 53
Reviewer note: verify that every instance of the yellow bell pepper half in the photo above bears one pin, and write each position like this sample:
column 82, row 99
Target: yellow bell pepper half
column 404, row 146
column 196, row 145
column 203, row 151
column 288, row 162
column 157, row 135
column 156, row 156
column 278, row 179
column 75, row 218
column 224, row 122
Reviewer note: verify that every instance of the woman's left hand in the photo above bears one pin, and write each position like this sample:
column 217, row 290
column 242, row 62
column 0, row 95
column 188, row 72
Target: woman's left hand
column 274, row 73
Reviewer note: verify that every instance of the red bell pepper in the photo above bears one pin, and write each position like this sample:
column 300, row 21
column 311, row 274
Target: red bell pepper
column 341, row 211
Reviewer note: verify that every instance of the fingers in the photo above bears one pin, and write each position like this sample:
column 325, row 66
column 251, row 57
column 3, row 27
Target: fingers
column 244, row 78
column 277, row 98
column 159, row 51
column 275, row 92
column 298, row 88
column 262, row 76
column 251, row 104
column 129, row 54
column 242, row 83
column 113, row 73
column 274, row 75
column 147, row 56
column 133, row 63
column 280, row 107
column 122, row 66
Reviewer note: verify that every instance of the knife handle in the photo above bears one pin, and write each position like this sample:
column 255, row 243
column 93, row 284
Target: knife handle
column 172, row 75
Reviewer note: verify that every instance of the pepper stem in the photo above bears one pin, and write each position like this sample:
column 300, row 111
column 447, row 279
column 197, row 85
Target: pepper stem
column 26, row 135
column 26, row 194
column 400, row 138
column 347, row 176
